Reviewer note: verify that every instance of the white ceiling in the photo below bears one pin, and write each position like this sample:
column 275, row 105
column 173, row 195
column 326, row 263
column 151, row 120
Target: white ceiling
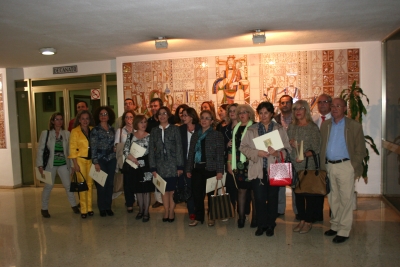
column 93, row 30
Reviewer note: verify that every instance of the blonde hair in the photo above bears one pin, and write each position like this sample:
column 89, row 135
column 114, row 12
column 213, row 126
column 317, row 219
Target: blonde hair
column 247, row 108
column 299, row 104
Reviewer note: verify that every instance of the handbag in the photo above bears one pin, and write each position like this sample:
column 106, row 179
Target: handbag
column 313, row 182
column 220, row 205
column 280, row 173
column 182, row 194
column 46, row 152
column 78, row 186
column 295, row 177
column 118, row 182
column 241, row 172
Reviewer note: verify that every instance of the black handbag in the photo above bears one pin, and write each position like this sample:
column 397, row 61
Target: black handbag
column 182, row 194
column 78, row 186
column 46, row 152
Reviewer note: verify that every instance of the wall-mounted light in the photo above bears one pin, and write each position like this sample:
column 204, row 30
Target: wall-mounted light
column 161, row 43
column 48, row 51
column 258, row 37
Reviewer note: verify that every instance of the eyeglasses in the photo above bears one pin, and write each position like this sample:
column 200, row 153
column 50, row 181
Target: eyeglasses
column 205, row 118
column 323, row 102
column 300, row 108
column 337, row 106
column 104, row 114
column 128, row 117
column 232, row 111
column 56, row 119
column 243, row 112
column 162, row 113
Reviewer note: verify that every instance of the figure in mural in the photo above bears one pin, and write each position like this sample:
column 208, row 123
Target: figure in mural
column 232, row 86
column 271, row 90
column 168, row 100
column 291, row 89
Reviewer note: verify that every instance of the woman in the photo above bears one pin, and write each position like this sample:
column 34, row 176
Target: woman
column 166, row 158
column 223, row 116
column 232, row 120
column 178, row 117
column 80, row 153
column 209, row 105
column 57, row 143
column 238, row 163
column 121, row 135
column 304, row 129
column 103, row 156
column 138, row 180
column 205, row 160
column 189, row 126
column 266, row 196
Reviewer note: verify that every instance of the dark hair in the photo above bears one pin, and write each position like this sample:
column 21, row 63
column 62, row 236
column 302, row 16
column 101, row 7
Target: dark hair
column 123, row 117
column 81, row 101
column 224, row 106
column 79, row 115
column 169, row 114
column 291, row 98
column 138, row 118
column 267, row 105
column 176, row 116
column 209, row 112
column 212, row 107
column 157, row 99
column 191, row 112
column 111, row 115
column 51, row 121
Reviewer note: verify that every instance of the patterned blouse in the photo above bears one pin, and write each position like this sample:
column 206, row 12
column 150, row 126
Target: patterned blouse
column 143, row 161
column 59, row 157
column 102, row 143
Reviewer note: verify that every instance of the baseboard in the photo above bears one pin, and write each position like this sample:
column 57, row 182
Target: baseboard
column 10, row 187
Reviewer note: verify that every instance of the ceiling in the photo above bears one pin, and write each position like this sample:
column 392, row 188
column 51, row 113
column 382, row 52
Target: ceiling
column 94, row 30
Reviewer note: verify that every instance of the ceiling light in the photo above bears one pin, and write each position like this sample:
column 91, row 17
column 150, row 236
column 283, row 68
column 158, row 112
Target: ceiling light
column 258, row 37
column 48, row 51
column 161, row 43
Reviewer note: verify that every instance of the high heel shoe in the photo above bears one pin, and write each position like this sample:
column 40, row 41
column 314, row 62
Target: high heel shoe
column 139, row 216
column 171, row 220
column 241, row 223
column 146, row 218
column 129, row 209
column 211, row 222
column 165, row 219
column 195, row 222
column 306, row 228
column 45, row 213
column 90, row 213
column 84, row 215
column 299, row 226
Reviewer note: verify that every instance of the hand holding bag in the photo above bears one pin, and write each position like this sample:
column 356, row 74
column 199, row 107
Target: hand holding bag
column 313, row 182
column 280, row 173
column 220, row 205
column 78, row 186
column 46, row 152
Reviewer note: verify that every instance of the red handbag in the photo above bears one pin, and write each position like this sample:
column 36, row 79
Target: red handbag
column 280, row 173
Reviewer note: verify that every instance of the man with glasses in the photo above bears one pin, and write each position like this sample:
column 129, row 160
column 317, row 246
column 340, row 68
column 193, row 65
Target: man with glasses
column 81, row 105
column 129, row 105
column 285, row 118
column 342, row 152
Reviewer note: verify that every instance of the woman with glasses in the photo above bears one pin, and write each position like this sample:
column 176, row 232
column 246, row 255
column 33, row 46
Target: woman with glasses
column 81, row 155
column 205, row 160
column 102, row 140
column 166, row 158
column 58, row 143
column 266, row 196
column 187, row 129
column 304, row 129
column 209, row 105
column 238, row 163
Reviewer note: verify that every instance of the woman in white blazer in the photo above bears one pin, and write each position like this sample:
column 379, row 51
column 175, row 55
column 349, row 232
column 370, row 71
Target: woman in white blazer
column 58, row 144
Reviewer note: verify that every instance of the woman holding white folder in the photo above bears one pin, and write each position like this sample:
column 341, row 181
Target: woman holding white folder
column 58, row 162
column 266, row 196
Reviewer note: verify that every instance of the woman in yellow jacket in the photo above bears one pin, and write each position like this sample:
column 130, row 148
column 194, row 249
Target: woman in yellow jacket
column 79, row 152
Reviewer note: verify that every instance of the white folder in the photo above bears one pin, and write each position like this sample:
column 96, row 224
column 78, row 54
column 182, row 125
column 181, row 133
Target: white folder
column 99, row 177
column 136, row 151
column 272, row 139
column 211, row 182
column 46, row 177
column 160, row 183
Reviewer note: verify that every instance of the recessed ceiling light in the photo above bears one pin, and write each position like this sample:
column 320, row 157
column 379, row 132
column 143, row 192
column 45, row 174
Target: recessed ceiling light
column 48, row 51
column 161, row 43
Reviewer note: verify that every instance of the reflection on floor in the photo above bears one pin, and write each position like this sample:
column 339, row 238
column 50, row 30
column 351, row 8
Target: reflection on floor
column 65, row 239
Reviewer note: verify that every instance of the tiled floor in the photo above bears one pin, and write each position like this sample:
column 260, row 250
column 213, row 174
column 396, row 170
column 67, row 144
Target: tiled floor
column 27, row 239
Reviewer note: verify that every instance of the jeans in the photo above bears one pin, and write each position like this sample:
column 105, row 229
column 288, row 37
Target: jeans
column 104, row 194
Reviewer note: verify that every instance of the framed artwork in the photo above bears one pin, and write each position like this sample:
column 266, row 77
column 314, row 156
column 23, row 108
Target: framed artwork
column 49, row 102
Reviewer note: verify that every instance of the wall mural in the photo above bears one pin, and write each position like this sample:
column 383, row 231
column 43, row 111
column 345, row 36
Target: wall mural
column 2, row 122
column 241, row 78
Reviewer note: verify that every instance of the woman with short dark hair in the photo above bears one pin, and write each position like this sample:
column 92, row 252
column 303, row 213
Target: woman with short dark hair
column 178, row 118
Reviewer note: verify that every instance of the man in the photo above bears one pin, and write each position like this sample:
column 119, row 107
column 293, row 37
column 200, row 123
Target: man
column 324, row 102
column 129, row 105
column 342, row 152
column 81, row 105
column 285, row 118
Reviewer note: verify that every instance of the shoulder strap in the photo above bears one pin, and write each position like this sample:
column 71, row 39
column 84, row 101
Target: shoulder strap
column 47, row 138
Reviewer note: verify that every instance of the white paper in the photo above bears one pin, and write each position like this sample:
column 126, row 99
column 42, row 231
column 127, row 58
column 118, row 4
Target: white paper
column 160, row 183
column 99, row 177
column 211, row 182
column 136, row 151
column 272, row 139
column 46, row 177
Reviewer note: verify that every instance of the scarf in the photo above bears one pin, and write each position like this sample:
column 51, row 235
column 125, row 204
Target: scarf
column 197, row 149
column 242, row 157
column 262, row 131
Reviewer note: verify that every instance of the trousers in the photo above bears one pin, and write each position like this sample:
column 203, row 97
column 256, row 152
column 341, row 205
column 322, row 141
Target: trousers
column 86, row 197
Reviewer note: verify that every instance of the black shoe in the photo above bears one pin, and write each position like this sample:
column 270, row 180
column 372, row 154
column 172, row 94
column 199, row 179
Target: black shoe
column 253, row 223
column 76, row 209
column 139, row 216
column 146, row 218
column 103, row 213
column 171, row 220
column 270, row 231
column 165, row 219
column 90, row 213
column 84, row 215
column 241, row 223
column 259, row 231
column 45, row 213
column 129, row 209
column 330, row 232
column 156, row 204
column 110, row 212
column 339, row 239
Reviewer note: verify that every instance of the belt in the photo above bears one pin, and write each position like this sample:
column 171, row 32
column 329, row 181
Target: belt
column 337, row 161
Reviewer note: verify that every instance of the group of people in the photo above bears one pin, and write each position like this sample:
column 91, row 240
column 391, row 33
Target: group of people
column 189, row 148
